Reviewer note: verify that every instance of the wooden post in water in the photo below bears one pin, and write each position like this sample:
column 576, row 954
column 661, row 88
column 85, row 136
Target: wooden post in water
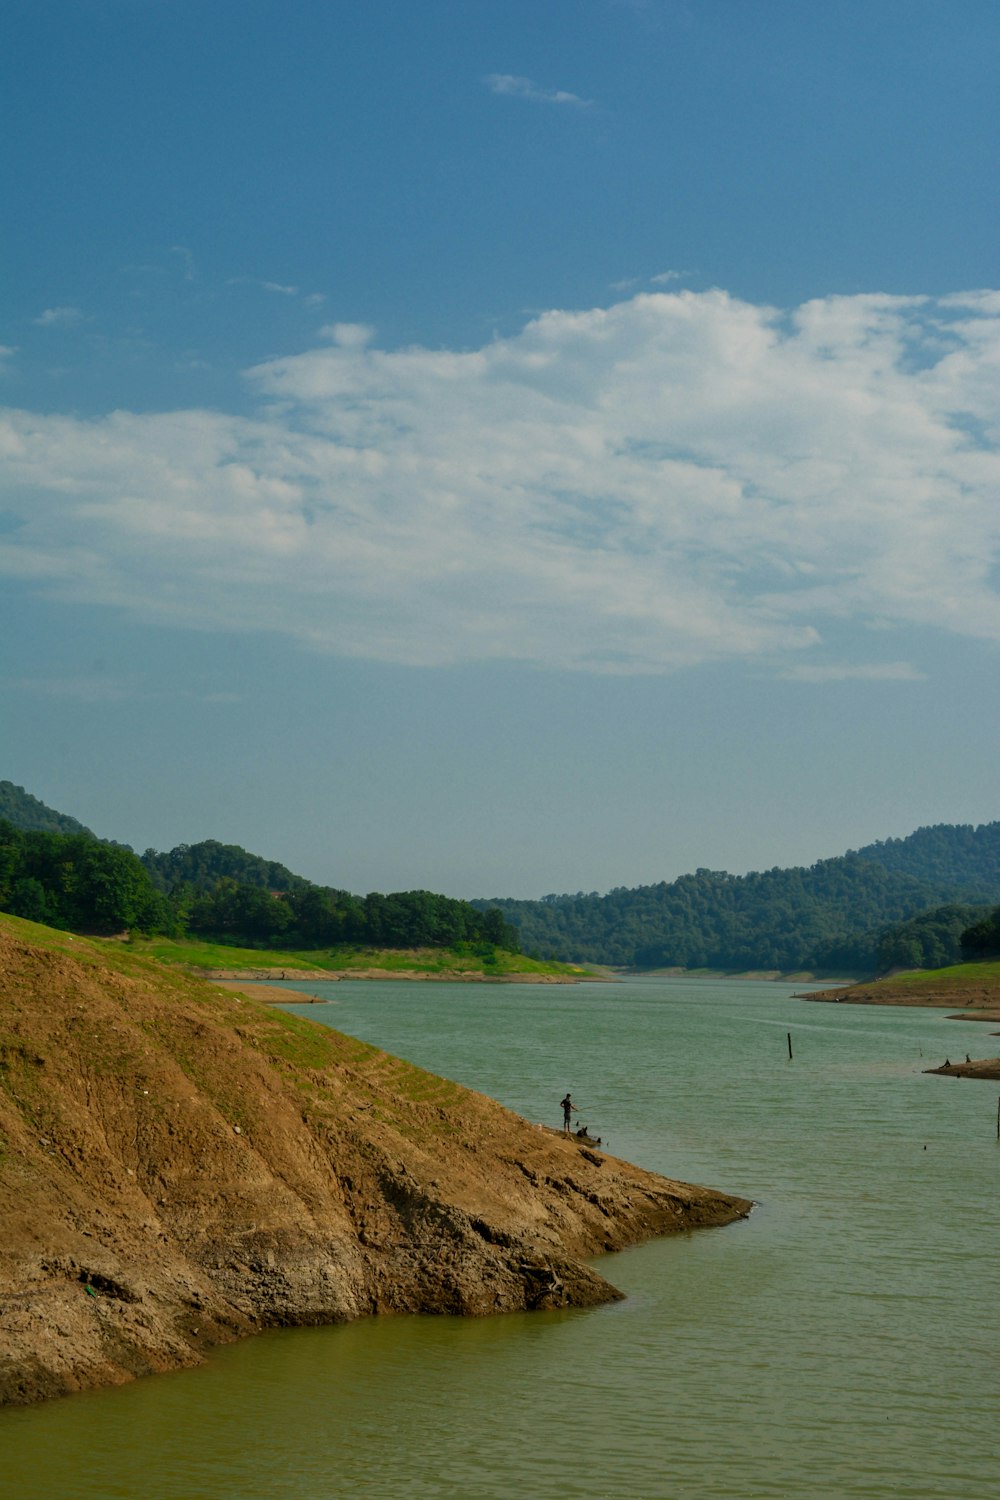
column 790, row 1058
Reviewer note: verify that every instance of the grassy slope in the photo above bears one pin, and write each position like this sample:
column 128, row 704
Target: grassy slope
column 193, row 954
column 975, row 988
column 957, row 977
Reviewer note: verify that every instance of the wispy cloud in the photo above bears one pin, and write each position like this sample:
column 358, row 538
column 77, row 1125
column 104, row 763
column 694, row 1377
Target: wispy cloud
column 266, row 286
column 525, row 88
column 58, row 317
column 679, row 478
column 187, row 260
column 889, row 671
column 280, row 289
column 662, row 278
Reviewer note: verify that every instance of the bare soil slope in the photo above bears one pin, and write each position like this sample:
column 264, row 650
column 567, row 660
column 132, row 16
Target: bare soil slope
column 180, row 1165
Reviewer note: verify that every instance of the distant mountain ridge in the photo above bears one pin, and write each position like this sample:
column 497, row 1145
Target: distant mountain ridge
column 963, row 855
column 830, row 917
column 826, row 918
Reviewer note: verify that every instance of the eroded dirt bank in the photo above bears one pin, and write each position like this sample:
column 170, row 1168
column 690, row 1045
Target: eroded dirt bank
column 978, row 1001
column 180, row 1166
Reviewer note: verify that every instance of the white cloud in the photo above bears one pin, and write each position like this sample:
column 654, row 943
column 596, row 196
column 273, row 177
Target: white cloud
column 663, row 278
column 266, row 286
column 348, row 335
column 524, row 88
column 889, row 671
column 676, row 479
column 54, row 317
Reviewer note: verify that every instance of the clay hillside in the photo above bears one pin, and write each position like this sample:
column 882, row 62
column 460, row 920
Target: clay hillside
column 180, row 1165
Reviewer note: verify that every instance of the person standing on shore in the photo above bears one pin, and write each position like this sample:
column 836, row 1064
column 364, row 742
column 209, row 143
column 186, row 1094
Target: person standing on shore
column 567, row 1109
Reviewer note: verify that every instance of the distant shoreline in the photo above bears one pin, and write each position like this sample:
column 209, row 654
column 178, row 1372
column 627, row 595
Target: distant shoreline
column 973, row 1003
column 262, row 980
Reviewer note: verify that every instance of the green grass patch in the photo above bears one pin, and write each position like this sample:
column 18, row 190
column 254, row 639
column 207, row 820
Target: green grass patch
column 958, row 976
column 191, row 953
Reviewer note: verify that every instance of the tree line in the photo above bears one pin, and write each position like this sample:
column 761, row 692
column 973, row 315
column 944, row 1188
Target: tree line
column 81, row 884
column 841, row 915
column 918, row 902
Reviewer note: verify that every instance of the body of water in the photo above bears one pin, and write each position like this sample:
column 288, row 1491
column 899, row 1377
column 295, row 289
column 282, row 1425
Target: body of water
column 841, row 1342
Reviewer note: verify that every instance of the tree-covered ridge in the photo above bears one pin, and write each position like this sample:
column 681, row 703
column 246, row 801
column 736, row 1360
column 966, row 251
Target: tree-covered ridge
column 826, row 918
column 203, row 865
column 962, row 856
column 896, row 903
column 80, row 884
column 26, row 812
column 318, row 917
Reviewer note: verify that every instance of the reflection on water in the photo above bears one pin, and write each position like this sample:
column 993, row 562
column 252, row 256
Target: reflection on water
column 839, row 1343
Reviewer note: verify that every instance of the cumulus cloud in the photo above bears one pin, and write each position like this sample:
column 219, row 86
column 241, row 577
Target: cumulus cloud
column 525, row 88
column 679, row 478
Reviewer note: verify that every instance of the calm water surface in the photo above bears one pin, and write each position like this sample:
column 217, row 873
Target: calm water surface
column 842, row 1342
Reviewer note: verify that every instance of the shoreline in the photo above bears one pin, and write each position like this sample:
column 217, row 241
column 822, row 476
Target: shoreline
column 974, row 1004
column 337, row 976
column 973, row 1067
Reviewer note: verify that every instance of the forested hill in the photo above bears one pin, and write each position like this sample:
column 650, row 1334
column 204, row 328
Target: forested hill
column 24, row 811
column 848, row 915
column 202, row 865
column 53, row 870
column 958, row 855
column 827, row 918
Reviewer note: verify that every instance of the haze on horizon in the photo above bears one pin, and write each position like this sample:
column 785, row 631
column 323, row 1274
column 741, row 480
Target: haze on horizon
column 501, row 450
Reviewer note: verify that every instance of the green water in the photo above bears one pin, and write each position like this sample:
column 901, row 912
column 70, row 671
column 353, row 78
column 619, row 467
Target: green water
column 842, row 1342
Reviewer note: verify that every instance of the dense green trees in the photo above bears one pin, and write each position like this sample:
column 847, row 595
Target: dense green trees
column 928, row 941
column 74, row 881
column 215, row 890
column 828, row 918
column 921, row 901
column 318, row 917
column 77, row 882
column 204, row 865
column 959, row 857
column 982, row 939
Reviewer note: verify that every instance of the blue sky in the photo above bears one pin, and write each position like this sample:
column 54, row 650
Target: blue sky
column 502, row 448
